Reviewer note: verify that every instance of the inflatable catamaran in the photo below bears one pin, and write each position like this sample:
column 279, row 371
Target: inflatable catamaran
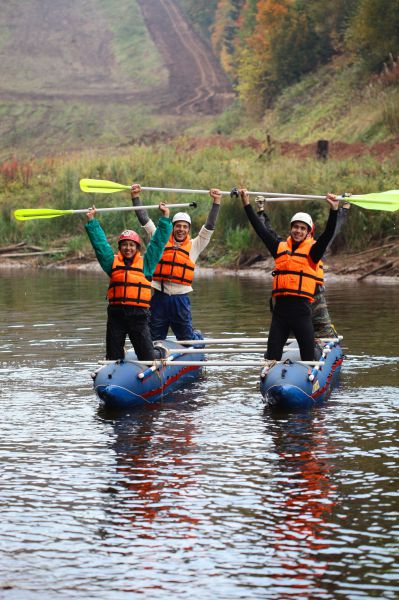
column 288, row 384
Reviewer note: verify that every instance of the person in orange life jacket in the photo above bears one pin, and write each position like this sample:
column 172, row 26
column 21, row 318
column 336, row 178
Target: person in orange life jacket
column 173, row 277
column 295, row 277
column 129, row 291
column 321, row 319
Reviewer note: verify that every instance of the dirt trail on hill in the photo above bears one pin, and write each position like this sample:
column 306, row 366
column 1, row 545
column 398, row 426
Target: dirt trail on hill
column 197, row 83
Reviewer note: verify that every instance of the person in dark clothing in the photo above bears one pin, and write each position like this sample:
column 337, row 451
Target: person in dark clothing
column 321, row 319
column 295, row 276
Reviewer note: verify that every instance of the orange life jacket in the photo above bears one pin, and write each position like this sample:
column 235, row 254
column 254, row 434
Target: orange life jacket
column 176, row 265
column 295, row 274
column 128, row 284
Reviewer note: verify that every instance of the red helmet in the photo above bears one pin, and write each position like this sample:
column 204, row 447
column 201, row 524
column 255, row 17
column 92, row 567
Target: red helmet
column 129, row 234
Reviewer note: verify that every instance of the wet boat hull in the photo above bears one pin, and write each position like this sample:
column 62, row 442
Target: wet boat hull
column 127, row 384
column 291, row 385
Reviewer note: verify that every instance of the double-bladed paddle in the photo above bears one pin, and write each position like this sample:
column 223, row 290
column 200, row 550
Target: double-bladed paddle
column 26, row 214
column 388, row 201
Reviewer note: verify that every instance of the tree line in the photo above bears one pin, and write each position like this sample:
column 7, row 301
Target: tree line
column 267, row 45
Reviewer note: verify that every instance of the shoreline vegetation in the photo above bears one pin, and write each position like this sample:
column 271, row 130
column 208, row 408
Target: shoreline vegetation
column 374, row 264
column 367, row 245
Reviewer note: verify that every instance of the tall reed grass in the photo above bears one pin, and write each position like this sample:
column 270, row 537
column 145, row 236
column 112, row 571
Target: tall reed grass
column 54, row 183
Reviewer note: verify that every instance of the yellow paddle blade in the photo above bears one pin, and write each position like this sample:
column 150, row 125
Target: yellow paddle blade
column 377, row 201
column 101, row 186
column 26, row 214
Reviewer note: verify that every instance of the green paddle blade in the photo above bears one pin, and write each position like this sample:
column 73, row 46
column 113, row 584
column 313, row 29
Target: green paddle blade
column 377, row 201
column 25, row 214
column 101, row 186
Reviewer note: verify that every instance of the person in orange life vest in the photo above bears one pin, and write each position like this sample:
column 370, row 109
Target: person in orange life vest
column 173, row 277
column 129, row 291
column 321, row 319
column 295, row 277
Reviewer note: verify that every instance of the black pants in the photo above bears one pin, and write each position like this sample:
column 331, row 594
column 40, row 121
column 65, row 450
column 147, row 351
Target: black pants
column 291, row 313
column 131, row 321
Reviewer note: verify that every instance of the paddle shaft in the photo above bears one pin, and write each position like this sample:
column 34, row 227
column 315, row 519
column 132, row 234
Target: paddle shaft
column 225, row 193
column 215, row 363
column 99, row 186
column 148, row 207
column 387, row 201
column 252, row 350
column 243, row 340
column 280, row 197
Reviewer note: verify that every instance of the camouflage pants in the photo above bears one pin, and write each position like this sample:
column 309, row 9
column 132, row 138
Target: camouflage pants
column 321, row 318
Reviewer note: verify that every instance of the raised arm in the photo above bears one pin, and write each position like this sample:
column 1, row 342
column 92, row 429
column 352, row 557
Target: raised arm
column 158, row 241
column 267, row 234
column 142, row 215
column 320, row 246
column 200, row 242
column 103, row 250
column 213, row 213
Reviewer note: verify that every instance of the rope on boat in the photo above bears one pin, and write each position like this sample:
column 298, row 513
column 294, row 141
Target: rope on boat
column 326, row 350
column 155, row 366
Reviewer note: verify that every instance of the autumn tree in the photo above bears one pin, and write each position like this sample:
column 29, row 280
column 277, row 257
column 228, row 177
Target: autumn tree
column 290, row 38
column 373, row 33
column 201, row 13
column 225, row 31
column 254, row 58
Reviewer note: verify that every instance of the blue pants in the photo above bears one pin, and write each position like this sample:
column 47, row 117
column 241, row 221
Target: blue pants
column 174, row 312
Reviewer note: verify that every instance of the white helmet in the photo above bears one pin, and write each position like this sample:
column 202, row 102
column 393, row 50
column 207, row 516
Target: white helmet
column 304, row 218
column 182, row 216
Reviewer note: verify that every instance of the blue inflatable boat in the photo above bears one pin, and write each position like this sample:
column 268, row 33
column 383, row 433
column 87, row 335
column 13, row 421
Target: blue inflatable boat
column 292, row 385
column 128, row 384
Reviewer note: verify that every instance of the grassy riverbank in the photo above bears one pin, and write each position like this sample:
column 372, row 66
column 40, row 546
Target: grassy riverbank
column 186, row 163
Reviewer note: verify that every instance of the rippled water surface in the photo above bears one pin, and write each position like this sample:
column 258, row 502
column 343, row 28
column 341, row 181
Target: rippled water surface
column 208, row 495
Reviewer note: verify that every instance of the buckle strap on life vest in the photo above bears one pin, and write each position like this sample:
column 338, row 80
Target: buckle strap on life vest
column 300, row 274
column 126, row 284
column 129, row 268
column 288, row 291
column 291, row 253
column 177, row 247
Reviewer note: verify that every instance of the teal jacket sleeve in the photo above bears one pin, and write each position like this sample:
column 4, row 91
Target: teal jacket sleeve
column 103, row 250
column 156, row 245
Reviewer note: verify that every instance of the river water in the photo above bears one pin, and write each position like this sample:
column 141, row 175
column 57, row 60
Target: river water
column 209, row 495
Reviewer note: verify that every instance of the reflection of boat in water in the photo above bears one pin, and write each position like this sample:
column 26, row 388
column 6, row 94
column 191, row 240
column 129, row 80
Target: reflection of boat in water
column 155, row 471
column 302, row 503
column 291, row 384
column 126, row 383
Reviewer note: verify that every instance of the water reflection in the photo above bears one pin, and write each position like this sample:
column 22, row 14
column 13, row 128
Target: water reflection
column 208, row 492
column 155, row 468
column 306, row 496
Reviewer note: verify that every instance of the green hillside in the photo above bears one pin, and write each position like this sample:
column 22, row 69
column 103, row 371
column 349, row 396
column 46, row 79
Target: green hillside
column 74, row 73
column 86, row 74
column 337, row 103
column 86, row 93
